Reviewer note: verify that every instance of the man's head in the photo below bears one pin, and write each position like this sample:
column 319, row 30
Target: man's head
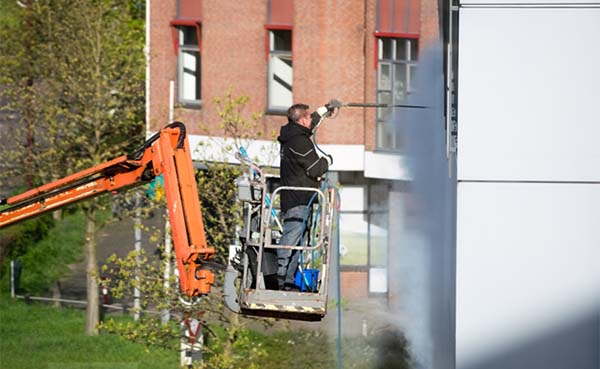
column 298, row 113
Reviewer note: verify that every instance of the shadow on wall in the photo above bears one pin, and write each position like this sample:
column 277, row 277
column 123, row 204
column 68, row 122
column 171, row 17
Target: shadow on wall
column 574, row 345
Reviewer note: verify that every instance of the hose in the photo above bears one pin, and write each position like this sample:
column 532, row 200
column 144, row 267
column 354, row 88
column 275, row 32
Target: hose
column 339, row 291
column 137, row 154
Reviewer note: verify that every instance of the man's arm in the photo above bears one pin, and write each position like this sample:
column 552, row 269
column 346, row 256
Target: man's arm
column 303, row 150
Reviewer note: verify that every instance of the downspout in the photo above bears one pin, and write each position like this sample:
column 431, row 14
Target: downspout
column 147, row 56
column 365, row 72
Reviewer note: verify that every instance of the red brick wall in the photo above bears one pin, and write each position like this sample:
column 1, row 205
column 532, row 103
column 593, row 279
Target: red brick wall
column 354, row 285
column 371, row 77
column 430, row 32
column 333, row 54
column 162, row 60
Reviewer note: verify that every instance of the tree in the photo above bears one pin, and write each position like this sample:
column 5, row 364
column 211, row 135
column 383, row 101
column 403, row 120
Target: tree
column 73, row 74
column 222, row 214
column 219, row 198
column 217, row 182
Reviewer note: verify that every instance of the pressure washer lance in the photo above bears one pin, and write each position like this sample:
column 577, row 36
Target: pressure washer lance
column 374, row 105
column 334, row 106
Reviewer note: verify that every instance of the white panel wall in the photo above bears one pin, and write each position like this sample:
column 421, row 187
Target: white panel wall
column 529, row 96
column 528, row 204
column 528, row 266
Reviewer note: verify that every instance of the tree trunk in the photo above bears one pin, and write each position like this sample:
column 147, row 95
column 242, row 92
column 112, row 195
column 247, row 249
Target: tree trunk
column 57, row 215
column 92, row 312
column 56, row 293
column 234, row 326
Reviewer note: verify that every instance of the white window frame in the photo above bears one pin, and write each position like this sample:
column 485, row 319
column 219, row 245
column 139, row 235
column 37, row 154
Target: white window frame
column 279, row 76
column 185, row 50
column 387, row 137
column 361, row 204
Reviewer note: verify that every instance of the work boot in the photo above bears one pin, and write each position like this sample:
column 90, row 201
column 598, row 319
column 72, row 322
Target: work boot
column 280, row 281
column 291, row 287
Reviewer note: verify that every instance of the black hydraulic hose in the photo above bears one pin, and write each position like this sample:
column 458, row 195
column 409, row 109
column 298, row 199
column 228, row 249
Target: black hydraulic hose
column 42, row 196
column 137, row 154
column 182, row 132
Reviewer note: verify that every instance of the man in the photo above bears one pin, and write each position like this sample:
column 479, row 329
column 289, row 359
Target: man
column 301, row 166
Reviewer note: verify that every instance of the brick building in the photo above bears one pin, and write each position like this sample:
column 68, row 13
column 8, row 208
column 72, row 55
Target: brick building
column 282, row 51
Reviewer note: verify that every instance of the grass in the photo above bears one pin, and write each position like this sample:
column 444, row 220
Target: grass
column 39, row 336
column 298, row 349
column 357, row 253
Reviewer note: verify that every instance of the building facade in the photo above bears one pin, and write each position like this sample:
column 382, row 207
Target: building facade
column 280, row 52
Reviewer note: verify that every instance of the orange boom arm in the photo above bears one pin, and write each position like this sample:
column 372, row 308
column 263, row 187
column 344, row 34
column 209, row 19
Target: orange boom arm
column 166, row 153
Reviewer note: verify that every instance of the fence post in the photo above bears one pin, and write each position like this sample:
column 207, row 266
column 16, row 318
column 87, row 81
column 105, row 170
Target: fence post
column 12, row 279
column 137, row 226
column 166, row 314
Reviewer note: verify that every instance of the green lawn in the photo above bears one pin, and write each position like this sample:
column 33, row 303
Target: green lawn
column 39, row 336
column 356, row 249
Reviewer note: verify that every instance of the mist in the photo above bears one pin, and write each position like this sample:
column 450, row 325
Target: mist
column 423, row 243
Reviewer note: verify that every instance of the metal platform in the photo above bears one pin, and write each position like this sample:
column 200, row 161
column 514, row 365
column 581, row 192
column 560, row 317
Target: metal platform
column 285, row 304
column 245, row 288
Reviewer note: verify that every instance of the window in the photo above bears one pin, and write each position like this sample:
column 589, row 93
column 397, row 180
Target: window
column 280, row 73
column 396, row 68
column 354, row 227
column 188, row 65
column 378, row 238
column 364, row 232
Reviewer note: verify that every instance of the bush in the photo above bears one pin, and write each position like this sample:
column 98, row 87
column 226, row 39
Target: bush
column 17, row 239
column 45, row 251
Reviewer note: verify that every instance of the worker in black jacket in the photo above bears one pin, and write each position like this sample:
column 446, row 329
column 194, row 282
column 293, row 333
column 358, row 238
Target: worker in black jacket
column 301, row 166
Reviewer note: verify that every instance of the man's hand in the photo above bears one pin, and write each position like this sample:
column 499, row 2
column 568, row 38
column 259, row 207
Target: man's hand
column 333, row 104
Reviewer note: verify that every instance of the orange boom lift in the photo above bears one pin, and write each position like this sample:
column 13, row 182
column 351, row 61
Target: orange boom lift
column 166, row 153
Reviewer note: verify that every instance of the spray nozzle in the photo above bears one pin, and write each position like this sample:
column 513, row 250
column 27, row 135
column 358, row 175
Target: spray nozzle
column 333, row 104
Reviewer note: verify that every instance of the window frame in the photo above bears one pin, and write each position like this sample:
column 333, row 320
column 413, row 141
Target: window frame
column 277, row 110
column 384, row 128
column 177, row 48
column 368, row 212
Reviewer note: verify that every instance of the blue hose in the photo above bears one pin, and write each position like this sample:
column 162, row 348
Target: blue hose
column 300, row 261
column 339, row 290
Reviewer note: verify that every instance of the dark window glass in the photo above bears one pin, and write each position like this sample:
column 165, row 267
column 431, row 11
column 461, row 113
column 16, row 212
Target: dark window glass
column 282, row 40
column 188, row 36
column 414, row 50
column 401, row 49
column 386, row 48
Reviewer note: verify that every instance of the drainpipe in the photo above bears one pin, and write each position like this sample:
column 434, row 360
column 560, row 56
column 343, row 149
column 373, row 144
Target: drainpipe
column 147, row 56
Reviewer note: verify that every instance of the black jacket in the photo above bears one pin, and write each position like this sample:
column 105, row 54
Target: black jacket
column 300, row 164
